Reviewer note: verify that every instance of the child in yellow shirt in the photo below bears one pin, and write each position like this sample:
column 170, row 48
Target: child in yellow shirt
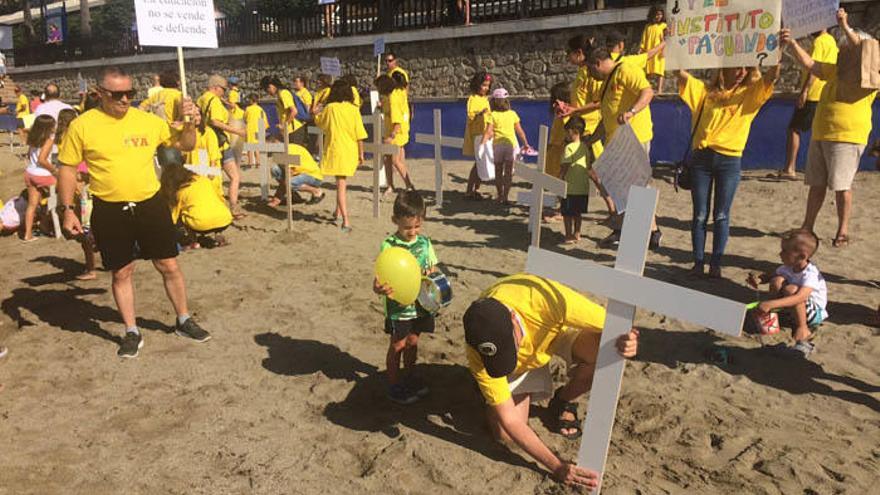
column 652, row 37
column 477, row 112
column 577, row 171
column 252, row 116
column 503, row 127
column 193, row 201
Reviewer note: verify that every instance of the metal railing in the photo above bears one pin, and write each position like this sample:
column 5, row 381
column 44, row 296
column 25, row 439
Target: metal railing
column 348, row 18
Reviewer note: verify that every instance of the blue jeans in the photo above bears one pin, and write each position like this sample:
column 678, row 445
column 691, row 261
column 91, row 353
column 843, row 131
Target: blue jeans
column 710, row 168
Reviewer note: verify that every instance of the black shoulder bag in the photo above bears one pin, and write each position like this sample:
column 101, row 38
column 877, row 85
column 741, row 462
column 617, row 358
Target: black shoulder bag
column 683, row 177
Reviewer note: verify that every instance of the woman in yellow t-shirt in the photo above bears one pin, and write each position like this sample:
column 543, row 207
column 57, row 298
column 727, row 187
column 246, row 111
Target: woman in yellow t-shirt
column 325, row 81
column 477, row 111
column 206, row 141
column 395, row 108
column 652, row 37
column 722, row 112
column 503, row 127
column 344, row 136
column 194, row 202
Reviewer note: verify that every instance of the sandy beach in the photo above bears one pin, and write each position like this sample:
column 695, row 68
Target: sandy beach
column 289, row 395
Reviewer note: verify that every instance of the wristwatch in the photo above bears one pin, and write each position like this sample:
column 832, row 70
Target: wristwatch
column 60, row 209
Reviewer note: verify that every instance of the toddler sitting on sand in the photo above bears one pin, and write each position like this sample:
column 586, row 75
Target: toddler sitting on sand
column 798, row 287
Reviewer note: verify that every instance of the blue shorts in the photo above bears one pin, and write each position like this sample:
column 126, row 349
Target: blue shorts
column 228, row 154
column 297, row 180
column 815, row 316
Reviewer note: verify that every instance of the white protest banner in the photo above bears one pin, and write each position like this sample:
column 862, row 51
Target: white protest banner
column 188, row 23
column 331, row 66
column 624, row 163
column 706, row 34
column 804, row 17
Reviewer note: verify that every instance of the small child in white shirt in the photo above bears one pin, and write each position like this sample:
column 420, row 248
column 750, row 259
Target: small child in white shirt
column 797, row 286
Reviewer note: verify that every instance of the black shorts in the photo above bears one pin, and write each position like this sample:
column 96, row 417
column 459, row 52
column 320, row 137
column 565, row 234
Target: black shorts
column 802, row 119
column 574, row 205
column 127, row 231
column 19, row 123
column 401, row 328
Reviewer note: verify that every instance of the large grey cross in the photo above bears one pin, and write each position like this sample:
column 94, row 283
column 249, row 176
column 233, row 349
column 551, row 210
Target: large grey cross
column 540, row 182
column 439, row 141
column 263, row 148
column 378, row 149
column 286, row 160
column 626, row 290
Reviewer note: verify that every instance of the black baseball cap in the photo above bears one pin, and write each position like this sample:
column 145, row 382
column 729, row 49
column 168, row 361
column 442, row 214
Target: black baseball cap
column 488, row 328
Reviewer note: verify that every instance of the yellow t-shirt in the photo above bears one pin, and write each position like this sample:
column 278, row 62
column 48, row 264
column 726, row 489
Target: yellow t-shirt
column 825, row 51
column 624, row 86
column 546, row 309
column 321, row 96
column 652, row 36
column 403, row 72
column 397, row 112
column 845, row 122
column 252, row 115
column 504, row 126
column 283, row 106
column 171, row 100
column 22, row 106
column 235, row 99
column 580, row 161
column 307, row 164
column 724, row 124
column 476, row 122
column 119, row 152
column 212, row 108
column 343, row 127
column 586, row 89
column 200, row 207
column 306, row 98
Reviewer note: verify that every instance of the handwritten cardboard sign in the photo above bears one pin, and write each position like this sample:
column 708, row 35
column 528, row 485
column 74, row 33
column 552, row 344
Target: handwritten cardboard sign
column 378, row 47
column 624, row 163
column 805, row 17
column 707, row 34
column 187, row 23
column 331, row 66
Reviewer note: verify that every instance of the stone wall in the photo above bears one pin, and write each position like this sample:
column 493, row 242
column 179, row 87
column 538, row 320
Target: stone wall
column 526, row 63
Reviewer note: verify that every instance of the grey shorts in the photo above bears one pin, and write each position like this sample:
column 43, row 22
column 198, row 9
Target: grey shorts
column 832, row 164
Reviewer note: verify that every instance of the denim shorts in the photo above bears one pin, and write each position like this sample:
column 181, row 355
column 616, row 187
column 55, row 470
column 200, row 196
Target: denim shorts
column 228, row 154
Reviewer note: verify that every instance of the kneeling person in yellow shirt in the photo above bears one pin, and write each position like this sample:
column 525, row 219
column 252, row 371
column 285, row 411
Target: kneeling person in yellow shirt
column 512, row 331
column 305, row 177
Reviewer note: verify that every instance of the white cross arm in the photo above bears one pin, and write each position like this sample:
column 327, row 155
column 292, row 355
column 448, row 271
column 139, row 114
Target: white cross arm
column 384, row 148
column 315, row 130
column 264, row 148
column 204, row 170
column 451, row 142
column 671, row 300
column 286, row 159
column 546, row 182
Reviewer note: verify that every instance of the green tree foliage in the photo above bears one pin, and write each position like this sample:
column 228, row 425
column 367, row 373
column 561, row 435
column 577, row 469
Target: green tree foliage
column 285, row 8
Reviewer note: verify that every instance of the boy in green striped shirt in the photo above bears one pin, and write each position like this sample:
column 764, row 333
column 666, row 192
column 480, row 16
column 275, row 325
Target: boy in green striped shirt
column 405, row 323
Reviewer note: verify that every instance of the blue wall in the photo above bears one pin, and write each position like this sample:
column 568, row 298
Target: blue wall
column 765, row 148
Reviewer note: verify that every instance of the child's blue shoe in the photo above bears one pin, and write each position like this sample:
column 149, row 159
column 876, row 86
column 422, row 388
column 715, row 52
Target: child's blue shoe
column 401, row 394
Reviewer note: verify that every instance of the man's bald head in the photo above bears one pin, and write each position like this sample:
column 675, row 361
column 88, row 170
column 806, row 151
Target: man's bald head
column 51, row 92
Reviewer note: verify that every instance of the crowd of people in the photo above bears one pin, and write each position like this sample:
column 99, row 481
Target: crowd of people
column 105, row 157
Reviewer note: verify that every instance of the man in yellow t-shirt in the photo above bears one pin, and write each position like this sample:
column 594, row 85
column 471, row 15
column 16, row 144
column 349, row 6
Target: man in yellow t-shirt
column 130, row 219
column 625, row 99
column 512, row 331
column 216, row 115
column 300, row 134
column 166, row 101
column 825, row 51
column 393, row 66
column 840, row 132
column 305, row 177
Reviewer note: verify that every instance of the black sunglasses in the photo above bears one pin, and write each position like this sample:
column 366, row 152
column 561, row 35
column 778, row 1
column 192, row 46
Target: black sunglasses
column 390, row 59
column 117, row 95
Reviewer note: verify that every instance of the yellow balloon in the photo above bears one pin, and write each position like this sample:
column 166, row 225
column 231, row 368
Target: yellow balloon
column 398, row 268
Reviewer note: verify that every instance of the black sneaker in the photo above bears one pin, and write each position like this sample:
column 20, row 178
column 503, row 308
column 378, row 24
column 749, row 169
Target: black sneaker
column 192, row 330
column 654, row 243
column 131, row 343
column 402, row 395
column 418, row 387
column 611, row 240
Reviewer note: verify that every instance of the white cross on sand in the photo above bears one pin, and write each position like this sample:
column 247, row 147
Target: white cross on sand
column 286, row 160
column 626, row 289
column 263, row 149
column 378, row 149
column 317, row 131
column 439, row 141
column 204, row 167
column 540, row 182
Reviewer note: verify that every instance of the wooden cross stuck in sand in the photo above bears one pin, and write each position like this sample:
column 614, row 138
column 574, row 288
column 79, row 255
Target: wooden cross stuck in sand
column 204, row 168
column 286, row 160
column 439, row 141
column 263, row 149
column 626, row 290
column 378, row 149
column 540, row 181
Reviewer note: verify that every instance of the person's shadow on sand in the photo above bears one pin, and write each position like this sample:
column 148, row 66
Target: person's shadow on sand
column 452, row 412
column 793, row 375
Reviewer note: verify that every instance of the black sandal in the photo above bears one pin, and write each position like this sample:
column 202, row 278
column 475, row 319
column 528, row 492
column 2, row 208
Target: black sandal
column 558, row 406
